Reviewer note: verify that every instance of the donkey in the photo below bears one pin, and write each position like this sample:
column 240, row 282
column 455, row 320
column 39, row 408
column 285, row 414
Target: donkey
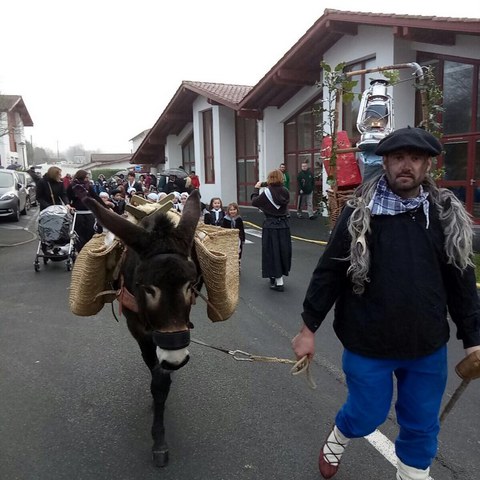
column 158, row 277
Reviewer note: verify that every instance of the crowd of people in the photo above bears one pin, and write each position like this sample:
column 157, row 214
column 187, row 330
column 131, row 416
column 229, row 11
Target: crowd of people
column 53, row 188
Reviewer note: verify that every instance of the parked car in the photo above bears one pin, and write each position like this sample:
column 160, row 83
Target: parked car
column 29, row 184
column 13, row 195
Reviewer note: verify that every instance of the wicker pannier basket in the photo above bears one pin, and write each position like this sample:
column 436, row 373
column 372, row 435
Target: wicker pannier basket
column 92, row 274
column 217, row 252
column 336, row 202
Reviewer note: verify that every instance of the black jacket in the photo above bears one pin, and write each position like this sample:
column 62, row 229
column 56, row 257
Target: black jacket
column 210, row 218
column 280, row 196
column 403, row 312
column 227, row 223
column 49, row 192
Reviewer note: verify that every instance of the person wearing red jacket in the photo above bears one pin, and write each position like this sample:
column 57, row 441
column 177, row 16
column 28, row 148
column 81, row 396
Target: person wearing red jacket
column 195, row 180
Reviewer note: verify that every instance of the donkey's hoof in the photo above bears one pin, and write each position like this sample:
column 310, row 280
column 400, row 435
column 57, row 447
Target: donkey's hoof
column 160, row 457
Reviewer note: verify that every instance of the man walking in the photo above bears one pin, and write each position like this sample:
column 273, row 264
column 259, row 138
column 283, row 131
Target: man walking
column 398, row 260
column 306, row 185
column 286, row 176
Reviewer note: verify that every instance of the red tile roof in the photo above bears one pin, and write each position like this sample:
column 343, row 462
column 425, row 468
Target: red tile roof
column 14, row 103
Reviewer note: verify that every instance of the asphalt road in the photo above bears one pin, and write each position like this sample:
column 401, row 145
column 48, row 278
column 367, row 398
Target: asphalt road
column 75, row 401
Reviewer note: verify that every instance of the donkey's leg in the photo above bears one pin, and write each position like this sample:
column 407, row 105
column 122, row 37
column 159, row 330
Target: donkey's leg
column 160, row 387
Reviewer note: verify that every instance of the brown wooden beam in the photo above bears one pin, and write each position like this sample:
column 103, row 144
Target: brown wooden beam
column 150, row 149
column 343, row 28
column 213, row 102
column 157, row 140
column 178, row 117
column 300, row 77
column 245, row 113
column 434, row 37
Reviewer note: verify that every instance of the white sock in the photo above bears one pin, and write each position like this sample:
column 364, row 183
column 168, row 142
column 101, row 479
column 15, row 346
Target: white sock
column 404, row 472
column 335, row 446
column 279, row 281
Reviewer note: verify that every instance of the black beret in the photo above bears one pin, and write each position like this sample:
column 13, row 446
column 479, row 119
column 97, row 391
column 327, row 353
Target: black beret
column 411, row 139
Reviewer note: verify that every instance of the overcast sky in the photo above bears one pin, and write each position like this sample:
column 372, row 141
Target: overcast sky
column 99, row 72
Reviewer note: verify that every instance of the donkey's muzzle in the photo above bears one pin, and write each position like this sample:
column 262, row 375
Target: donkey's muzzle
column 171, row 340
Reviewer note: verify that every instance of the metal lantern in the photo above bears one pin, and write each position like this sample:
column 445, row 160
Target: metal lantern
column 375, row 115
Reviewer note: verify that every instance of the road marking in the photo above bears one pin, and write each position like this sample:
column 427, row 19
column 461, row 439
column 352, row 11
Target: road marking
column 13, row 227
column 384, row 446
column 255, row 233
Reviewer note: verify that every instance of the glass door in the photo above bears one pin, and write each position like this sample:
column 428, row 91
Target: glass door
column 461, row 163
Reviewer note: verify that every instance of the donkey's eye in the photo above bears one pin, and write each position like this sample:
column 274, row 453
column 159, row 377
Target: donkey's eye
column 149, row 290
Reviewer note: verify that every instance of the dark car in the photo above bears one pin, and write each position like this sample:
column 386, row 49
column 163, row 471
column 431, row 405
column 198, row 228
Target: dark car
column 29, row 184
column 13, row 195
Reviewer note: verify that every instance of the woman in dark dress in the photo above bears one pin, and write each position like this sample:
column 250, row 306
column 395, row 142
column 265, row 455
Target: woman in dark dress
column 276, row 238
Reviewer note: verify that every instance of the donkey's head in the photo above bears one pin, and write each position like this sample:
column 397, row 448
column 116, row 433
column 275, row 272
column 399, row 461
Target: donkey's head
column 159, row 272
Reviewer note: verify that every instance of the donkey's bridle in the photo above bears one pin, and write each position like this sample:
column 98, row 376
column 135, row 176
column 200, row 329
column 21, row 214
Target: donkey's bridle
column 171, row 340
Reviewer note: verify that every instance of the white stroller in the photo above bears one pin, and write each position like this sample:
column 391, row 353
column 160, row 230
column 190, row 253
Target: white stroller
column 56, row 231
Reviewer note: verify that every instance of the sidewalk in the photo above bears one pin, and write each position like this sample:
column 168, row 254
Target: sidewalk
column 316, row 230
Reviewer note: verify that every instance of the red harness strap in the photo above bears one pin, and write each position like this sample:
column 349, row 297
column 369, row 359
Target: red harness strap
column 125, row 298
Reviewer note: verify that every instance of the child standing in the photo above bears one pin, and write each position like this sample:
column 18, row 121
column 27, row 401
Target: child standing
column 233, row 220
column 215, row 213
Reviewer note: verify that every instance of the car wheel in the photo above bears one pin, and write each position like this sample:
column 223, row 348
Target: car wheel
column 27, row 206
column 16, row 214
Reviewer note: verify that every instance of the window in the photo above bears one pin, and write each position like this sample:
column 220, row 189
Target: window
column 302, row 143
column 188, row 155
column 246, row 142
column 459, row 80
column 457, row 97
column 208, row 159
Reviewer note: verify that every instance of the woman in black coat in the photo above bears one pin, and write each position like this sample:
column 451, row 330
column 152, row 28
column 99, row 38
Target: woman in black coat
column 276, row 238
column 50, row 189
column 84, row 223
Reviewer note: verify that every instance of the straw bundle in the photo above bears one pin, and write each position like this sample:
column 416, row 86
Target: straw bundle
column 92, row 274
column 217, row 252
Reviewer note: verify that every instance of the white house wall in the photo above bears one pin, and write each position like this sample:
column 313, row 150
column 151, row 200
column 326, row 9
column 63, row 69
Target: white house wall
column 224, row 151
column 4, row 142
column 465, row 46
column 271, row 129
column 173, row 152
column 173, row 148
column 8, row 157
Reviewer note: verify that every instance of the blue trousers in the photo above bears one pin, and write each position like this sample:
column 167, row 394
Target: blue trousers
column 420, row 387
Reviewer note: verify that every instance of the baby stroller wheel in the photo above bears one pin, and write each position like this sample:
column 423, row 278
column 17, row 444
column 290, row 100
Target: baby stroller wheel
column 69, row 265
column 37, row 266
column 45, row 260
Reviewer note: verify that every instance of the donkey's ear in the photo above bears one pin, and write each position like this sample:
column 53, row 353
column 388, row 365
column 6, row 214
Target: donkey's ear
column 190, row 216
column 132, row 235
